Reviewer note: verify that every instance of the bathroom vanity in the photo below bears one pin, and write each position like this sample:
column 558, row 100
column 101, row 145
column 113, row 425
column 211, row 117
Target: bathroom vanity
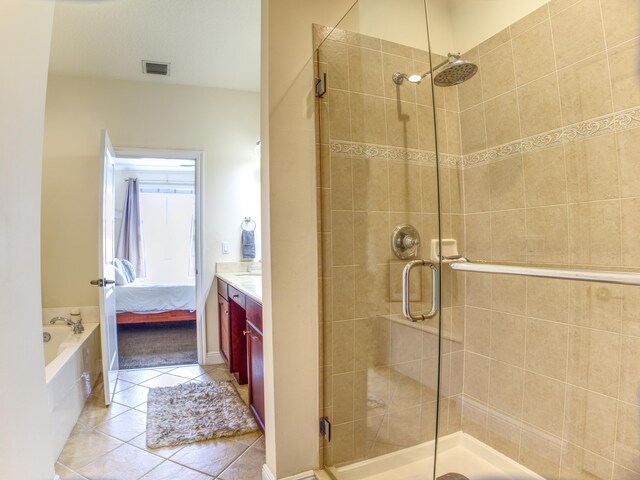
column 241, row 338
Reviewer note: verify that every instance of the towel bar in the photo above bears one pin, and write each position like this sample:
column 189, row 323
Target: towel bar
column 249, row 220
column 622, row 278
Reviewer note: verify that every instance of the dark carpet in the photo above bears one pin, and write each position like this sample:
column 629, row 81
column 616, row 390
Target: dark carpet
column 157, row 344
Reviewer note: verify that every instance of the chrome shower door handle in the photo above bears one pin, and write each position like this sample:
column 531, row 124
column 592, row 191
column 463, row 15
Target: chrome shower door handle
column 406, row 290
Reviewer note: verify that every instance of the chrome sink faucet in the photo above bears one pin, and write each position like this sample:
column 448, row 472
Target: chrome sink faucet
column 77, row 326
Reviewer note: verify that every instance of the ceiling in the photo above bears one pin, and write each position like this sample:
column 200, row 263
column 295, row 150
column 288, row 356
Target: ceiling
column 211, row 43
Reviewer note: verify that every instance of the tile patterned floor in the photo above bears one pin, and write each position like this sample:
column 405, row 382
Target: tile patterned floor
column 110, row 443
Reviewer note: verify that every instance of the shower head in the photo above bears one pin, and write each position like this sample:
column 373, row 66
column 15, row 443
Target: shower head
column 455, row 71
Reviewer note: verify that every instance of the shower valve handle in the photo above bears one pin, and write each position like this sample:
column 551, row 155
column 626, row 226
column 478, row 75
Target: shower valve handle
column 408, row 241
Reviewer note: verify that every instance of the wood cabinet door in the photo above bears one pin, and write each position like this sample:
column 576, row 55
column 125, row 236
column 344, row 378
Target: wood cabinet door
column 255, row 361
column 238, row 347
column 224, row 327
column 254, row 314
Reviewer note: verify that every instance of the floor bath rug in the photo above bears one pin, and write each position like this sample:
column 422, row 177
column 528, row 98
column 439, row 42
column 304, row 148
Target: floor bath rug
column 192, row 412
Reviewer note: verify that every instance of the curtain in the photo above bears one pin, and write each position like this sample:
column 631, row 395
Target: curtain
column 192, row 251
column 131, row 243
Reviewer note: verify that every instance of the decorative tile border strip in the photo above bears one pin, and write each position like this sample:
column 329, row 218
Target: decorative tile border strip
column 369, row 150
column 615, row 122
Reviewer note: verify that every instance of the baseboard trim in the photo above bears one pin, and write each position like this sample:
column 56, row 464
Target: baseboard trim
column 322, row 475
column 213, row 358
column 267, row 475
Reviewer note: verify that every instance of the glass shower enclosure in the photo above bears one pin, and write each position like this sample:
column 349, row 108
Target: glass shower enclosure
column 478, row 230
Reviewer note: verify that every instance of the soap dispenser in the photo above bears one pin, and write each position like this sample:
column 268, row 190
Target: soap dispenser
column 76, row 316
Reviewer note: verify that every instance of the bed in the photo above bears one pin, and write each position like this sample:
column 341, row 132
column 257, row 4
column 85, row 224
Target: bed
column 140, row 302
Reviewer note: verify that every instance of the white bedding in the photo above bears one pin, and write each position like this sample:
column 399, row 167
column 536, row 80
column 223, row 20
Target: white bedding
column 140, row 297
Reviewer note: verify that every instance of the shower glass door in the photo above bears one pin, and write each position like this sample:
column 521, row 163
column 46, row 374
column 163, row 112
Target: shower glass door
column 378, row 173
column 544, row 382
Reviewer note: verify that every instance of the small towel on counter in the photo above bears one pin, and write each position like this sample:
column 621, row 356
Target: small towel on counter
column 248, row 244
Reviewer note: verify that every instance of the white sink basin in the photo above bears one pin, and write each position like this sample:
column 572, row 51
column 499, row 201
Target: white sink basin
column 248, row 274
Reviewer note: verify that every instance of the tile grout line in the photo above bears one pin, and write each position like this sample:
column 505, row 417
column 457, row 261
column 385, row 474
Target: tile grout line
column 237, row 459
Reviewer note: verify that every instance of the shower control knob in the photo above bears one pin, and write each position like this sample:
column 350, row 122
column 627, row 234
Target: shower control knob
column 408, row 241
column 405, row 241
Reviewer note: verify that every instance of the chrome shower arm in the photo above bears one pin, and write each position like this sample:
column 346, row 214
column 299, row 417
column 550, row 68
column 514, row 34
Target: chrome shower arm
column 399, row 77
column 440, row 65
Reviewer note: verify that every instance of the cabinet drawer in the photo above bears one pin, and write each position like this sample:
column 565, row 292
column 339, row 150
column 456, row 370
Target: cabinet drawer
column 222, row 289
column 254, row 314
column 237, row 296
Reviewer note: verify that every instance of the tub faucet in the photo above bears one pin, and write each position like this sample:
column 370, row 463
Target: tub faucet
column 77, row 326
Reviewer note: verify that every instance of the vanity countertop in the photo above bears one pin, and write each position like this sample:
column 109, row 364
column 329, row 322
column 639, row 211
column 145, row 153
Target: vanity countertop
column 249, row 284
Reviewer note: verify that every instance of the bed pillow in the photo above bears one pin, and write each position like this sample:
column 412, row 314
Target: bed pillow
column 128, row 269
column 121, row 277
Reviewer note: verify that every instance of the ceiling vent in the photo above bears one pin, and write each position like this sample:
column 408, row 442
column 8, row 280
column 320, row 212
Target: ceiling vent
column 156, row 68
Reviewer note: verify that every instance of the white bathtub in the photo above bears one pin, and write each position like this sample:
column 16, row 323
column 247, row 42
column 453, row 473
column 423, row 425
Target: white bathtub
column 72, row 368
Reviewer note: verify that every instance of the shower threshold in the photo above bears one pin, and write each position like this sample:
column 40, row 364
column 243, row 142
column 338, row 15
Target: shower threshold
column 459, row 452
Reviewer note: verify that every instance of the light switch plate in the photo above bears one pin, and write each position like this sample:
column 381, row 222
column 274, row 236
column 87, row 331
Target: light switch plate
column 226, row 248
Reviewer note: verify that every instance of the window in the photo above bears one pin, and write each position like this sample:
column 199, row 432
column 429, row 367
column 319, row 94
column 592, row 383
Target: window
column 167, row 225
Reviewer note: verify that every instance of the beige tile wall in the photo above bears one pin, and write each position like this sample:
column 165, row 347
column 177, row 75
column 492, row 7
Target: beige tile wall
column 551, row 373
column 380, row 372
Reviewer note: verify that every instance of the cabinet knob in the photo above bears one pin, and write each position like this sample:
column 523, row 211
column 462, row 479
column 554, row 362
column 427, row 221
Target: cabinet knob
column 236, row 296
column 246, row 332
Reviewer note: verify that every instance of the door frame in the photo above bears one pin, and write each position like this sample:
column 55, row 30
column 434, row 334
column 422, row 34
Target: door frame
column 198, row 157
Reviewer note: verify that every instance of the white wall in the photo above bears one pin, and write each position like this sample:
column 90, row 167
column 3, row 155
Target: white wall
column 399, row 21
column 222, row 123
column 440, row 26
column 454, row 25
column 25, row 38
column 477, row 20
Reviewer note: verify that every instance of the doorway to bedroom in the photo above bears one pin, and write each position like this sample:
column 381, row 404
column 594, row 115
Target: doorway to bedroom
column 155, row 239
